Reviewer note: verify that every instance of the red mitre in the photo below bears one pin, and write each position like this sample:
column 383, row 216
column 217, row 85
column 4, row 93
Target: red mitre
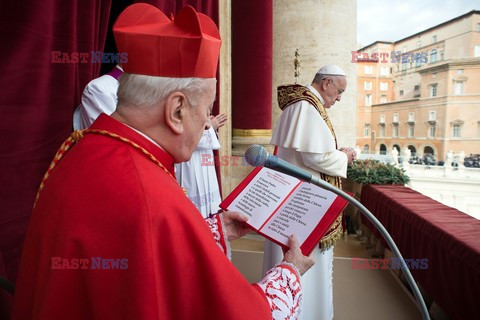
column 187, row 47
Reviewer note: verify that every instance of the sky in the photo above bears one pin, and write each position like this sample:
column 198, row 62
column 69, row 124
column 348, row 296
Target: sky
column 395, row 20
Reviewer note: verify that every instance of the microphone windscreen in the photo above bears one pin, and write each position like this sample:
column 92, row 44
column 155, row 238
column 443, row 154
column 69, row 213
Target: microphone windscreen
column 256, row 155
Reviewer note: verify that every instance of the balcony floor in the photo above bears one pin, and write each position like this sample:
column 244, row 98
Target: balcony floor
column 358, row 293
column 367, row 293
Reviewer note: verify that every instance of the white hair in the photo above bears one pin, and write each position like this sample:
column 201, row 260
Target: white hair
column 149, row 91
column 319, row 77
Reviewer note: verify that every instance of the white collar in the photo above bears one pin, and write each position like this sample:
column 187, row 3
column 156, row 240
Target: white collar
column 145, row 136
column 315, row 92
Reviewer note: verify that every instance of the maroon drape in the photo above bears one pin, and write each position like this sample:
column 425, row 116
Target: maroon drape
column 37, row 98
column 252, row 60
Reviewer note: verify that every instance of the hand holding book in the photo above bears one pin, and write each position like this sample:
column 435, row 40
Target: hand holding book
column 279, row 205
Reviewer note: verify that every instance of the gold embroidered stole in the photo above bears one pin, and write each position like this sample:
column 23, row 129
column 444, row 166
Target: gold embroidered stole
column 288, row 95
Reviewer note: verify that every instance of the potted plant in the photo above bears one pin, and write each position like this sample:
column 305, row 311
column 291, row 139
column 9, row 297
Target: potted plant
column 374, row 172
column 368, row 171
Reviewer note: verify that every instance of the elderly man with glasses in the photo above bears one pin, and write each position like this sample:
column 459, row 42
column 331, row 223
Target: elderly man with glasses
column 305, row 137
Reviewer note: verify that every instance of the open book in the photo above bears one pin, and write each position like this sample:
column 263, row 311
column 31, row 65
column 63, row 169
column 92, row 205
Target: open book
column 279, row 205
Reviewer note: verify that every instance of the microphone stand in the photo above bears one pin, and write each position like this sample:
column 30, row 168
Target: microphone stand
column 257, row 155
column 416, row 292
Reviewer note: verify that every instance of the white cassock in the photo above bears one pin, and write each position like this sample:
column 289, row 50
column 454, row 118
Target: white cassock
column 99, row 96
column 198, row 175
column 304, row 140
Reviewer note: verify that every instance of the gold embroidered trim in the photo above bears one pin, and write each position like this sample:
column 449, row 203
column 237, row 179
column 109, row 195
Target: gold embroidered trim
column 252, row 132
column 78, row 135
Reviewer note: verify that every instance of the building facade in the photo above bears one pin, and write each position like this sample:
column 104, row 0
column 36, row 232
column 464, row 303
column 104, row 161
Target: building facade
column 422, row 93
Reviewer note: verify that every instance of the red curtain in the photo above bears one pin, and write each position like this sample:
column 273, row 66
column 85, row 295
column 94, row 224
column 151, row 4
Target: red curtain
column 37, row 99
column 252, row 63
column 37, row 96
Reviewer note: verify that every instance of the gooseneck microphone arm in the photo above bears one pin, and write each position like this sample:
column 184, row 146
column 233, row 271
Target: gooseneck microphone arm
column 257, row 156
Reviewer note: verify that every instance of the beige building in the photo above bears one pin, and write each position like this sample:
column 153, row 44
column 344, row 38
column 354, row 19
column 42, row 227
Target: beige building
column 422, row 92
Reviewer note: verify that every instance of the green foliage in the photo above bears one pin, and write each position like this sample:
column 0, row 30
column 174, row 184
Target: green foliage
column 374, row 172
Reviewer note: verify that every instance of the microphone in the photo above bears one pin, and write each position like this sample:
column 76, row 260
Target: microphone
column 257, row 156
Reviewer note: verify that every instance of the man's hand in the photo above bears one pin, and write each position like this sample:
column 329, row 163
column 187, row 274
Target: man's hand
column 351, row 154
column 218, row 121
column 295, row 256
column 234, row 223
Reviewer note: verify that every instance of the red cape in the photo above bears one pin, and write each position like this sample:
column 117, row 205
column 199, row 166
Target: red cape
column 107, row 200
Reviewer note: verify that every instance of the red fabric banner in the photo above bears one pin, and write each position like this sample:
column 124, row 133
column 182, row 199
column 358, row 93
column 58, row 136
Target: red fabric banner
column 423, row 228
column 252, row 59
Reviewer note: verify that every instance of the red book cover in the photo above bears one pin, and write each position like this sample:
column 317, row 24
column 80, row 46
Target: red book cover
column 279, row 205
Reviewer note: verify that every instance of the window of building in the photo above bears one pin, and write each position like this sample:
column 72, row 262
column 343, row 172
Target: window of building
column 404, row 66
column 433, row 90
column 431, row 131
column 459, row 71
column 456, row 133
column 382, row 131
column 384, row 71
column 476, row 51
column 434, row 38
column 366, row 149
column 418, row 63
column 395, row 117
column 401, row 93
column 382, row 118
column 366, row 130
column 368, row 99
column 432, row 115
column 395, row 130
column 441, row 55
column 383, row 98
column 417, row 87
column 411, row 117
column 433, row 56
column 383, row 86
column 368, row 70
column 419, row 44
column 367, row 85
column 411, row 130
column 459, row 87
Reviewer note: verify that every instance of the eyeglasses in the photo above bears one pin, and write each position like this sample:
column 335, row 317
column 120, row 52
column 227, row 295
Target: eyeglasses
column 339, row 91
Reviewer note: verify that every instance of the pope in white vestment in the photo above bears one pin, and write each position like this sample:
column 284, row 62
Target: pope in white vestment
column 305, row 139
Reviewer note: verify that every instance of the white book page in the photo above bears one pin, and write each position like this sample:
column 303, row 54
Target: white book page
column 301, row 214
column 263, row 195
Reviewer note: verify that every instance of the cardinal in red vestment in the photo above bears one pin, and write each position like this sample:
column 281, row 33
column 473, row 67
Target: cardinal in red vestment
column 112, row 234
